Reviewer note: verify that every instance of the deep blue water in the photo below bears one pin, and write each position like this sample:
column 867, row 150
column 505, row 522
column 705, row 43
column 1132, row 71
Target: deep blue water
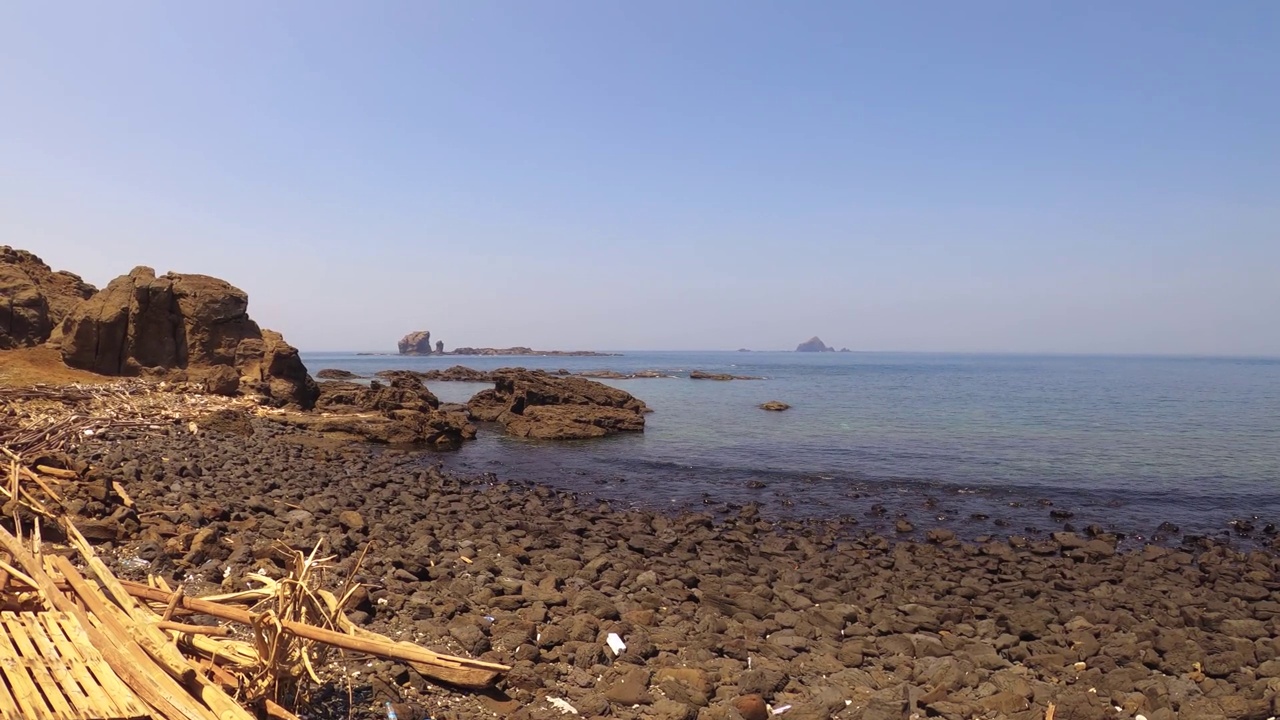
column 1127, row 442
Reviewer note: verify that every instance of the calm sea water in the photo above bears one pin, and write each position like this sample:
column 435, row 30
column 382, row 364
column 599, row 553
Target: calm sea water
column 1126, row 442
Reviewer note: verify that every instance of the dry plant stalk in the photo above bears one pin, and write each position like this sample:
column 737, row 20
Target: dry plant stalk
column 47, row 419
column 284, row 665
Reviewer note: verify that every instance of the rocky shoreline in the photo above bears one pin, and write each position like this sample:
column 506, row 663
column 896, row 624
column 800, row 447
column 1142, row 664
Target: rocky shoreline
column 720, row 615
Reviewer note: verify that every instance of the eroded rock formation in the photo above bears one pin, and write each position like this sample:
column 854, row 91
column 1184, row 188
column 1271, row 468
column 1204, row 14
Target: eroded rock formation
column 535, row 404
column 417, row 342
column 401, row 412
column 144, row 324
column 34, row 298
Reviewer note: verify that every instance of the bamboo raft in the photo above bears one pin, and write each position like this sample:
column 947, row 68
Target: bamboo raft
column 78, row 643
column 52, row 672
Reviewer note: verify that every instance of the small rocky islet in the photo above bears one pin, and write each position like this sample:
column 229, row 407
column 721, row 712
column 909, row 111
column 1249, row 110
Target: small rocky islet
column 723, row 612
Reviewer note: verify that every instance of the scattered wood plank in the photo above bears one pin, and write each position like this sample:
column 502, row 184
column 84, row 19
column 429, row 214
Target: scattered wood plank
column 459, row 671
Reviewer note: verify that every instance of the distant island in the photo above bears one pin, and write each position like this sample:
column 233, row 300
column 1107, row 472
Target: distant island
column 815, row 344
column 418, row 342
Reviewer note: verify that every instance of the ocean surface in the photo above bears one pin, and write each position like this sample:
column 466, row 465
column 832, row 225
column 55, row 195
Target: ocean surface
column 992, row 442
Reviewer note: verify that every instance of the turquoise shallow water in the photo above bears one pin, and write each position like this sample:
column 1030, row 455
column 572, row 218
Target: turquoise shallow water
column 1128, row 442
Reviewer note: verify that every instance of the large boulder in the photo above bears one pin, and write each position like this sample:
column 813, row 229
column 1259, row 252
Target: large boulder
column 141, row 323
column 272, row 368
column 34, row 298
column 417, row 342
column 814, row 344
column 535, row 404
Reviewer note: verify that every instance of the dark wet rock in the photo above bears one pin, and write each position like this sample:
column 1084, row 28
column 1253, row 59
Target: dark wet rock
column 335, row 374
column 700, row 375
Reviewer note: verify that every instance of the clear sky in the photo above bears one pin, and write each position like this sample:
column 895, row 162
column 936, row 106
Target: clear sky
column 1073, row 176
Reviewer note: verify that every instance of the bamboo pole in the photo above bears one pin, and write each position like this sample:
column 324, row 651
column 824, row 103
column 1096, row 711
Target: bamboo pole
column 155, row 642
column 189, row 629
column 156, row 645
column 463, row 672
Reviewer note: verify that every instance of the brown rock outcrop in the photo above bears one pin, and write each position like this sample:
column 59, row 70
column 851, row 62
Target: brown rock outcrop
column 336, row 374
column 403, row 412
column 458, row 373
column 535, row 404
column 34, row 298
column 417, row 342
column 141, row 323
column 702, row 375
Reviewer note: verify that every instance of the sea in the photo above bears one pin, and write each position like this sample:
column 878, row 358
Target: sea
column 1149, row 447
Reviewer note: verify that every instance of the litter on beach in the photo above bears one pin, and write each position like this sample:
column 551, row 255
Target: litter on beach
column 615, row 644
column 562, row 705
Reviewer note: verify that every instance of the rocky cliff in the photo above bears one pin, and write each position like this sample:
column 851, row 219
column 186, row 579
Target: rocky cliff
column 34, row 298
column 144, row 324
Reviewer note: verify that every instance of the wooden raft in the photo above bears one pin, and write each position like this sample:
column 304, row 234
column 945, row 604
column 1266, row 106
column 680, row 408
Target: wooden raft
column 50, row 671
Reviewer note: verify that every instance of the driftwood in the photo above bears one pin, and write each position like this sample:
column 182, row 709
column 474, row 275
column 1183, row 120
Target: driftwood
column 450, row 669
column 121, row 650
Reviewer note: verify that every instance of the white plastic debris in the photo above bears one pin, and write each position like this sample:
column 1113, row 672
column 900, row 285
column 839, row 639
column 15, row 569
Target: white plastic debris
column 88, row 432
column 1139, row 717
column 615, row 643
column 781, row 709
column 562, row 705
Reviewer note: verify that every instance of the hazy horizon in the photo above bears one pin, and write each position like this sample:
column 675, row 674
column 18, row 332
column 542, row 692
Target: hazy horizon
column 1084, row 179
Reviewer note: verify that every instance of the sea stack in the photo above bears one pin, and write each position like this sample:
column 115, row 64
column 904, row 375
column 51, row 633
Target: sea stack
column 417, row 342
column 814, row 344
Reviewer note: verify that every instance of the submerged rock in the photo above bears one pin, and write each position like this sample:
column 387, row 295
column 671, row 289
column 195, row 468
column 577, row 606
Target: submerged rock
column 701, row 375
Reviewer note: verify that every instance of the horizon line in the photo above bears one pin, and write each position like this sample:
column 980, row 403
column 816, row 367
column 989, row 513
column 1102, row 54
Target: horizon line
column 1019, row 353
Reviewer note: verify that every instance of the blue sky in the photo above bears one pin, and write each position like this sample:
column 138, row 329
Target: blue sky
column 982, row 176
